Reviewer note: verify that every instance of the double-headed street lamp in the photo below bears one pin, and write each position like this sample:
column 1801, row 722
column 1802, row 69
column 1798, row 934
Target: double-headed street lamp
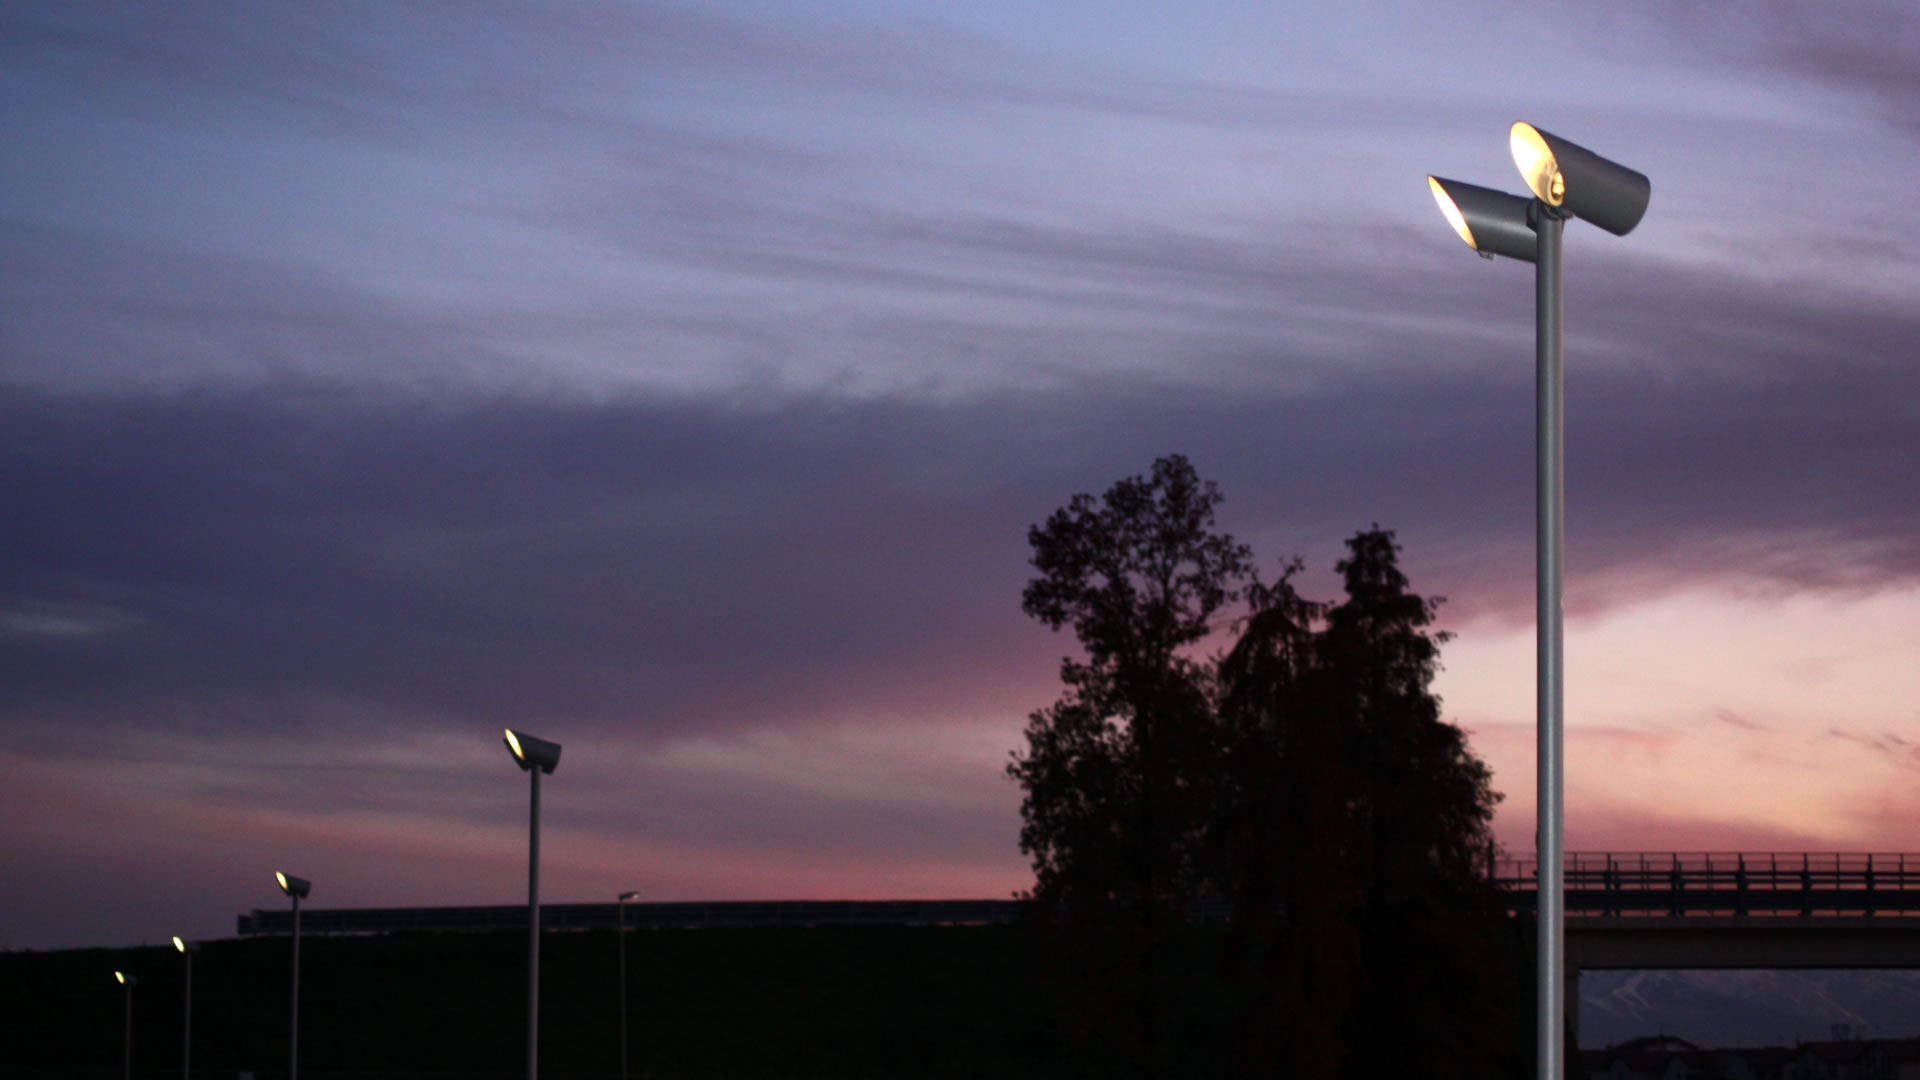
column 620, row 909
column 1567, row 180
column 534, row 756
column 128, row 981
column 296, row 889
column 187, row 949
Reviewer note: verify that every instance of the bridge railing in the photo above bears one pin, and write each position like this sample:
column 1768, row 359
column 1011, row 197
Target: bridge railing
column 1710, row 883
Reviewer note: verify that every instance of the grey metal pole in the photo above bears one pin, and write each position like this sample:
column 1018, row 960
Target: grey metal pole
column 1549, row 460
column 293, row 1052
column 621, row 935
column 186, row 1034
column 533, row 934
column 128, row 1040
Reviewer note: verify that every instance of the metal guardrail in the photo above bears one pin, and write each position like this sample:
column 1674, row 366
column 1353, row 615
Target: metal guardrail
column 1722, row 884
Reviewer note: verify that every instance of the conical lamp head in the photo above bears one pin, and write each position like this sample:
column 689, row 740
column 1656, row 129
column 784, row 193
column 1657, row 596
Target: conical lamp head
column 1573, row 178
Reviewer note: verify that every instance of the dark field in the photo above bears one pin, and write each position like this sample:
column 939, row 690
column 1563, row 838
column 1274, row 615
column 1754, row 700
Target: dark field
column 841, row 1002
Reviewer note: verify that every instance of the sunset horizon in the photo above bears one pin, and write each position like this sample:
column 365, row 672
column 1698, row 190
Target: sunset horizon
column 679, row 384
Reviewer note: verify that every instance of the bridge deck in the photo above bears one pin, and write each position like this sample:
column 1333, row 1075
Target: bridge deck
column 1789, row 941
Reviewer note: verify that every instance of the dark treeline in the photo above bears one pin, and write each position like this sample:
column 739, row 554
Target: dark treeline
column 762, row 1003
column 792, row 1003
column 840, row 1002
column 1301, row 772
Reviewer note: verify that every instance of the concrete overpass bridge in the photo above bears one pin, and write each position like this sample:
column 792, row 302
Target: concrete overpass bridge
column 1729, row 910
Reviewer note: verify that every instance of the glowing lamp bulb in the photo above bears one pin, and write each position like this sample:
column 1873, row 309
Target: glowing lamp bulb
column 1537, row 165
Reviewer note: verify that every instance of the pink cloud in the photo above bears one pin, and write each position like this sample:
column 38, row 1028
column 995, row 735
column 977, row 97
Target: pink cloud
column 1648, row 829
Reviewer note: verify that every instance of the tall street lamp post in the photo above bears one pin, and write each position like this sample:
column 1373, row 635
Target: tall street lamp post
column 1567, row 180
column 187, row 949
column 296, row 889
column 534, row 756
column 620, row 907
column 128, row 981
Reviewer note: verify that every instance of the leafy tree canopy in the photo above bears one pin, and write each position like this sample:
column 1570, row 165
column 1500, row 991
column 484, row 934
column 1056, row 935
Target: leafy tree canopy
column 1115, row 771
column 1305, row 775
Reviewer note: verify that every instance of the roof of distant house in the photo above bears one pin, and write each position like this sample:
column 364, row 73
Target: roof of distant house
column 1838, row 1052
column 1660, row 1044
column 1900, row 1049
column 1762, row 1056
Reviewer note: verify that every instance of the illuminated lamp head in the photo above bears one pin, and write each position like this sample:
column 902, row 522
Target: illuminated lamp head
column 529, row 751
column 1571, row 178
column 1491, row 222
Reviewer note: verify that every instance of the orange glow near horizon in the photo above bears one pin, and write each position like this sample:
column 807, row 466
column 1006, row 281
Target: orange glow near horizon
column 1704, row 719
column 1711, row 714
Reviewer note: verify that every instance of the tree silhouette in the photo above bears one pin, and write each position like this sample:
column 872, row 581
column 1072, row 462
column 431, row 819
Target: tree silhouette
column 1117, row 771
column 1283, row 834
column 1306, row 776
column 1354, row 834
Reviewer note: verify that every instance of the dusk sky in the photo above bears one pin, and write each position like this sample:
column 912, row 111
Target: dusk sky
column 678, row 383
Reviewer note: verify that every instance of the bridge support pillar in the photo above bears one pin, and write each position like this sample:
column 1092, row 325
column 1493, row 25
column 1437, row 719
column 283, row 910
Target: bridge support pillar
column 1571, row 999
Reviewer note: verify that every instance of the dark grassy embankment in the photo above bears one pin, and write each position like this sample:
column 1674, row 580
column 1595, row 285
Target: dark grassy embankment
column 840, row 1002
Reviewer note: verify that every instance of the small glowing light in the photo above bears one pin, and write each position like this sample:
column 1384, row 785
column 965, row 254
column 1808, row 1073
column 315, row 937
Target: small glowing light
column 513, row 744
column 282, row 879
column 122, row 976
column 1536, row 164
column 1452, row 212
column 178, row 944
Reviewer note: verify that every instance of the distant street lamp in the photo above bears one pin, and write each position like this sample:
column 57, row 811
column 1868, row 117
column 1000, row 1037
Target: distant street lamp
column 620, row 908
column 187, row 949
column 128, row 981
column 1566, row 180
column 534, row 756
column 295, row 888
